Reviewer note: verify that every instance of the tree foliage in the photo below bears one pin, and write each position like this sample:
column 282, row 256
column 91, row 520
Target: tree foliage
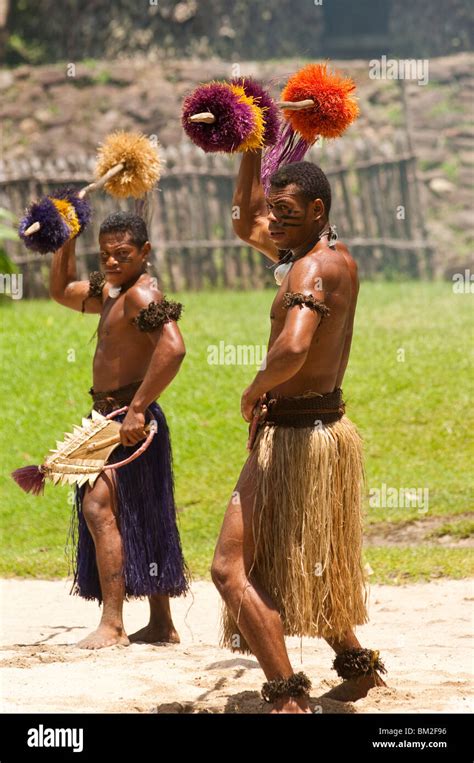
column 42, row 31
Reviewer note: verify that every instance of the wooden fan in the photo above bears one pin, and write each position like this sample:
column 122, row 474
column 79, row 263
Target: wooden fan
column 82, row 455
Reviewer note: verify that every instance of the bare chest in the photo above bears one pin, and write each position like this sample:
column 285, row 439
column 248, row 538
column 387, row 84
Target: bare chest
column 278, row 311
column 116, row 330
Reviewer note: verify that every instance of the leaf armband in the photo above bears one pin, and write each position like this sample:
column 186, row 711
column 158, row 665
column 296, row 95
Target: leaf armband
column 96, row 286
column 157, row 314
column 292, row 298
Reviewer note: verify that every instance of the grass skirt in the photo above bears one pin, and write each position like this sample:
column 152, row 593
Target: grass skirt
column 307, row 526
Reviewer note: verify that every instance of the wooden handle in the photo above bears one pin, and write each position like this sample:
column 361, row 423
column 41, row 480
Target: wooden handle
column 153, row 428
column 203, row 116
column 101, row 181
column 259, row 413
column 296, row 105
column 32, row 229
column 104, row 443
column 109, row 441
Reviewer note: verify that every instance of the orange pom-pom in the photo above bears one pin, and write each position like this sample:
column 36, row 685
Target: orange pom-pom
column 335, row 107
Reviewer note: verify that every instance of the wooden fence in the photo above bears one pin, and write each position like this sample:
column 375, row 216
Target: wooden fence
column 376, row 207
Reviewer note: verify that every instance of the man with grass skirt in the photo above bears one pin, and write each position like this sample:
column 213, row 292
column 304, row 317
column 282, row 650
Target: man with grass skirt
column 288, row 559
column 127, row 538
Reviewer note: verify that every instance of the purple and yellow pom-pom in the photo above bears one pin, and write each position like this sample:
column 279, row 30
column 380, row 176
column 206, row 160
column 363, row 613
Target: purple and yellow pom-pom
column 81, row 206
column 234, row 118
column 271, row 112
column 61, row 216
column 254, row 140
column 240, row 116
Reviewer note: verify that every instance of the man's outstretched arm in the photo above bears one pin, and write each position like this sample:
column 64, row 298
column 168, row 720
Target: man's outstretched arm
column 64, row 286
column 251, row 224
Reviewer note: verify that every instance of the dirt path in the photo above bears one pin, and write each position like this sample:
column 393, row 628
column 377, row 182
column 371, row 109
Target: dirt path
column 423, row 632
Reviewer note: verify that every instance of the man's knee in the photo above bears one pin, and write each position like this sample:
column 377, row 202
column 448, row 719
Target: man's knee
column 228, row 574
column 97, row 509
column 221, row 573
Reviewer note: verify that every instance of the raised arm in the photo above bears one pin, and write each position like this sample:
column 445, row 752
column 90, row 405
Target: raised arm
column 251, row 224
column 64, row 286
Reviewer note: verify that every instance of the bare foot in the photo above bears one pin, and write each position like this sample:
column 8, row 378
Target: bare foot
column 354, row 688
column 156, row 634
column 287, row 705
column 105, row 635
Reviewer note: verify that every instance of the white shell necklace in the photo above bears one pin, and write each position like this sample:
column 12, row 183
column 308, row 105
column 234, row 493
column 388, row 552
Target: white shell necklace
column 115, row 291
column 286, row 264
column 281, row 271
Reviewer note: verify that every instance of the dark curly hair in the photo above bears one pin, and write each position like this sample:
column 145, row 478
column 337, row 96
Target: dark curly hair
column 126, row 222
column 308, row 177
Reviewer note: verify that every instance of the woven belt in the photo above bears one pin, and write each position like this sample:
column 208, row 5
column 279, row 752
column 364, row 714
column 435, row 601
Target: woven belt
column 109, row 400
column 305, row 411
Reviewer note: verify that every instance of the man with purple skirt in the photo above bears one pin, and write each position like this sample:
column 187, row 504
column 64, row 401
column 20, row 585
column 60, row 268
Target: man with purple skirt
column 125, row 525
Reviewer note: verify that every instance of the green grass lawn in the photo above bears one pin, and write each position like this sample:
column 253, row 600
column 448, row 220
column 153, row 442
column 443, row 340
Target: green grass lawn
column 407, row 388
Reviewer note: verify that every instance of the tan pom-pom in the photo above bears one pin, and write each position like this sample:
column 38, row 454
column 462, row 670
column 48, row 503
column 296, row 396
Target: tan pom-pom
column 141, row 160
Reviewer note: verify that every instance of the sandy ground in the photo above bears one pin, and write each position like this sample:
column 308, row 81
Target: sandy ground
column 423, row 631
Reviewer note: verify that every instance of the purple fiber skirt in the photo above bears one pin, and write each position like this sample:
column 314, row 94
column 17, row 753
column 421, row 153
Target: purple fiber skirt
column 153, row 559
